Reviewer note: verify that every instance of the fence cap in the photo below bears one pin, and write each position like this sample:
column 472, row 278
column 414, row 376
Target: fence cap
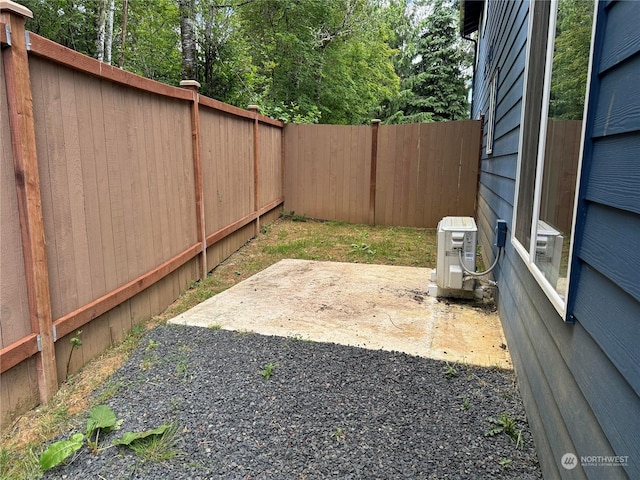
column 253, row 107
column 375, row 120
column 9, row 6
column 189, row 83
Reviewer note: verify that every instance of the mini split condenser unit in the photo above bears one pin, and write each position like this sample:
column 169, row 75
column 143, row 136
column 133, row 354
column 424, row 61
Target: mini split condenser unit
column 549, row 251
column 457, row 241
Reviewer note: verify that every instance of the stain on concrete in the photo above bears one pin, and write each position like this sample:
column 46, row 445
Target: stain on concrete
column 369, row 306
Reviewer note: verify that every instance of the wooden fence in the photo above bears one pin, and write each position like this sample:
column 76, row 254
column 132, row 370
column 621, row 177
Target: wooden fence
column 562, row 151
column 117, row 193
column 403, row 175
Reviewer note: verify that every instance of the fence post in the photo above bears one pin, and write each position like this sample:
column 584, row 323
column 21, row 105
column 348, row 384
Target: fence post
column 256, row 165
column 374, row 167
column 197, row 172
column 25, row 161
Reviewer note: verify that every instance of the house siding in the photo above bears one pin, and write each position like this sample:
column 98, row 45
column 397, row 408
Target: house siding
column 580, row 382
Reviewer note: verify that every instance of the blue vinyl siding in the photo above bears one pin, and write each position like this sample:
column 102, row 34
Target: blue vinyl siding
column 615, row 163
column 605, row 292
column 580, row 382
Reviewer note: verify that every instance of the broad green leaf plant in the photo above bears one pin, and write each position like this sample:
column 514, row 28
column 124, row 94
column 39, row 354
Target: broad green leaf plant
column 101, row 419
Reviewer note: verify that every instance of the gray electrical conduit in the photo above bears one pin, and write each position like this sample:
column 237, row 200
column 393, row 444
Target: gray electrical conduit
column 479, row 274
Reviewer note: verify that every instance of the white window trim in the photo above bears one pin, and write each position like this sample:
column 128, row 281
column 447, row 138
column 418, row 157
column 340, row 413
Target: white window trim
column 491, row 119
column 485, row 12
column 559, row 303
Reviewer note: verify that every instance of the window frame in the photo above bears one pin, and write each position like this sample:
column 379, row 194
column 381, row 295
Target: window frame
column 528, row 253
column 491, row 119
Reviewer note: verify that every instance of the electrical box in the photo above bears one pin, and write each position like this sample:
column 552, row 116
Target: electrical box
column 549, row 251
column 457, row 237
column 501, row 233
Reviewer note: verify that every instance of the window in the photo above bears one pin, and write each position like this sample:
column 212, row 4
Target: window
column 558, row 54
column 491, row 120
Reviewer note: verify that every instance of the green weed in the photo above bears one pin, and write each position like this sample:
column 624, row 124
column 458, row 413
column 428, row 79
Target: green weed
column 102, row 419
column 268, row 370
column 505, row 424
column 112, row 387
column 182, row 368
column 76, row 342
column 157, row 447
column 362, row 248
column 294, row 217
column 338, row 434
column 450, row 371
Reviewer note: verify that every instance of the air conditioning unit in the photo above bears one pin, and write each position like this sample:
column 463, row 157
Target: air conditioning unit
column 549, row 251
column 457, row 241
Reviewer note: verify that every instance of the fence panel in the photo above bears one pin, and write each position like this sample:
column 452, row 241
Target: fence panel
column 227, row 167
column 423, row 172
column 426, row 171
column 116, row 159
column 115, row 205
column 327, row 171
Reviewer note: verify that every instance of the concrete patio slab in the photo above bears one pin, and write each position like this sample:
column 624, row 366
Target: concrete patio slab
column 368, row 306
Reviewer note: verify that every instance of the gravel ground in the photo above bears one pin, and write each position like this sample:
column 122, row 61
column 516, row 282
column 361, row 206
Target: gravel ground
column 327, row 411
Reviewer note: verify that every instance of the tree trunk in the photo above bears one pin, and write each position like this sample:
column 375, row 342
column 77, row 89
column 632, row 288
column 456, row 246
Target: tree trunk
column 102, row 22
column 187, row 15
column 125, row 11
column 108, row 41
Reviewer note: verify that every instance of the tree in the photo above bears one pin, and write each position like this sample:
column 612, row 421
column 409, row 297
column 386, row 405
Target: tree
column 435, row 88
column 152, row 46
column 225, row 67
column 67, row 22
column 187, row 10
column 325, row 55
column 571, row 59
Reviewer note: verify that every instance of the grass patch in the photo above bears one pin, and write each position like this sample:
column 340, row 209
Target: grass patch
column 157, row 448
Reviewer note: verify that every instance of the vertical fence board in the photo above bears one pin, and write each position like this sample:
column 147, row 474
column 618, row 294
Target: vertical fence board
column 344, row 171
column 105, row 239
column 270, row 148
column 50, row 145
column 419, row 182
column 363, row 134
column 91, row 214
column 75, row 187
column 144, row 231
column 386, row 155
column 18, row 389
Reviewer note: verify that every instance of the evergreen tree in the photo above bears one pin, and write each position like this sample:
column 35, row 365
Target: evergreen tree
column 435, row 88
